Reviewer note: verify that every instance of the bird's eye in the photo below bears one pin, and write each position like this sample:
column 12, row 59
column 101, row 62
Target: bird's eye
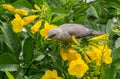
column 52, row 35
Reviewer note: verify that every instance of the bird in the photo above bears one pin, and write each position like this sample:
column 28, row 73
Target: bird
column 68, row 32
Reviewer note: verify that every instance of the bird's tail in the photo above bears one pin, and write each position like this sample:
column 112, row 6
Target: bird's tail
column 96, row 32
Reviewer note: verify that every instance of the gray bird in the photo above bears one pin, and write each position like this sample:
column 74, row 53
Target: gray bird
column 66, row 31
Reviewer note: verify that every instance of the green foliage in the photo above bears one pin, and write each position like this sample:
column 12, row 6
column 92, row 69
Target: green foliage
column 29, row 56
column 9, row 75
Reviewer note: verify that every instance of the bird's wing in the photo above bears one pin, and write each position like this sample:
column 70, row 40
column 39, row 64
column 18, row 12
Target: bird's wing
column 76, row 29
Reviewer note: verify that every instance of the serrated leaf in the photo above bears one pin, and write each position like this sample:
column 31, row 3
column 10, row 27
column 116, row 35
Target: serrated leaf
column 28, row 50
column 9, row 75
column 11, row 39
column 58, row 17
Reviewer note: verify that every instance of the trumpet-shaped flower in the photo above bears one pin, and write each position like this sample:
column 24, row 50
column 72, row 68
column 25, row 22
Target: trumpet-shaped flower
column 29, row 19
column 46, row 28
column 9, row 7
column 77, row 68
column 21, row 11
column 100, row 54
column 70, row 55
column 51, row 75
column 13, row 9
column 103, row 37
column 35, row 27
column 17, row 24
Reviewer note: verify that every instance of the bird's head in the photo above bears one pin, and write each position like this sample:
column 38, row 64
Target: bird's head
column 54, row 33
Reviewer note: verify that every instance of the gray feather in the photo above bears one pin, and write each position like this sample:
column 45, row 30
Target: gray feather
column 65, row 31
column 77, row 30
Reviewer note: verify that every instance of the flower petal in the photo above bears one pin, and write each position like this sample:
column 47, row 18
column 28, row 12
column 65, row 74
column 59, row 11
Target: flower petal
column 21, row 11
column 17, row 24
column 29, row 19
column 44, row 32
column 35, row 27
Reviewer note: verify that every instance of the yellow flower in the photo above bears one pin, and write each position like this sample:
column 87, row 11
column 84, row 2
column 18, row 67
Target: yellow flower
column 35, row 27
column 106, row 55
column 17, row 24
column 100, row 54
column 104, row 37
column 29, row 19
column 87, row 59
column 95, row 54
column 78, row 68
column 49, row 26
column 69, row 54
column 46, row 28
column 9, row 7
column 74, row 40
column 44, row 32
column 21, row 11
column 12, row 9
column 51, row 75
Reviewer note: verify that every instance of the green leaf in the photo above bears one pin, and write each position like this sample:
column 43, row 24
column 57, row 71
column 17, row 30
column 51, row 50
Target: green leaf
column 39, row 58
column 59, row 17
column 22, row 3
column 48, row 14
column 116, row 63
column 117, row 43
column 110, row 71
column 28, row 50
column 9, row 75
column 11, row 39
column 38, row 2
column 8, row 59
column 92, row 11
column 116, row 53
column 109, row 26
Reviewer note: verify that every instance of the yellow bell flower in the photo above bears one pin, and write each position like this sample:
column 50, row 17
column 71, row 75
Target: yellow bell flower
column 99, row 54
column 51, row 75
column 104, row 37
column 69, row 54
column 13, row 9
column 17, row 23
column 29, row 19
column 47, row 27
column 21, row 11
column 35, row 27
column 44, row 32
column 9, row 7
column 78, row 68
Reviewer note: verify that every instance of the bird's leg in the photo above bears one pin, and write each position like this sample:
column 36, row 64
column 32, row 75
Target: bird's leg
column 74, row 39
